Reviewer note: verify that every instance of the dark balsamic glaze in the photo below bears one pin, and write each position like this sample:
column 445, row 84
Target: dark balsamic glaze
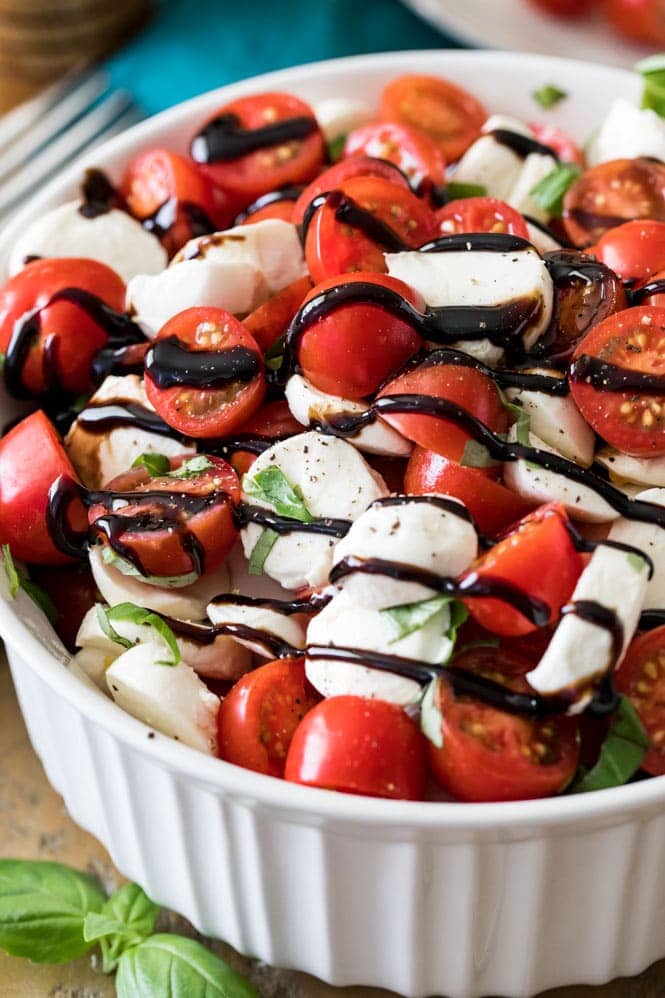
column 609, row 377
column 650, row 619
column 441, row 502
column 98, row 195
column 224, row 138
column 521, row 145
column 478, row 242
column 164, row 218
column 328, row 526
column 253, row 443
column 637, row 295
column 566, row 266
column 526, row 380
column 310, row 604
column 594, row 220
column 603, row 617
column 349, row 212
column 291, row 193
column 118, row 361
column 206, row 634
column 170, row 363
column 106, row 416
column 584, row 545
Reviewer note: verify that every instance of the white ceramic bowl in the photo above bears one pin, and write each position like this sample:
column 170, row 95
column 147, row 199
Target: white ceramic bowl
column 432, row 898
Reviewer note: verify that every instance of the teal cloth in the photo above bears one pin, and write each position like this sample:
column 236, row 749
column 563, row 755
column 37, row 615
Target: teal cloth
column 190, row 47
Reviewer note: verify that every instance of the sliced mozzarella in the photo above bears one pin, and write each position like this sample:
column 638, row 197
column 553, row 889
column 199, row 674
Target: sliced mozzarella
column 483, row 350
column 535, row 168
column 338, row 116
column 580, row 651
column 171, row 699
column 543, row 241
column 506, row 123
column 628, row 131
column 491, row 165
column 650, row 538
column 640, row 470
column 308, row 405
column 538, row 484
column 93, row 663
column 113, row 238
column 335, row 481
column 344, row 623
column 187, row 603
column 477, row 277
column 263, row 619
column 557, row 421
column 99, row 457
column 418, row 534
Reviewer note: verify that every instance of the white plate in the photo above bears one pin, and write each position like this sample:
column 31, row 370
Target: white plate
column 514, row 24
column 423, row 898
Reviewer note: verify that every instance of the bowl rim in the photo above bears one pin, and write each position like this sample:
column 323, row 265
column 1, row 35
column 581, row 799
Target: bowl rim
column 301, row 802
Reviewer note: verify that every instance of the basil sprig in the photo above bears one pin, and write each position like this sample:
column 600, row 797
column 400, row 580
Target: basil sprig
column 652, row 69
column 456, row 192
column 549, row 192
column 261, row 550
column 335, row 148
column 109, row 557
column 621, row 754
column 273, row 487
column 138, row 615
column 476, row 455
column 548, row 95
column 407, row 618
column 50, row 913
column 159, row 466
column 18, row 579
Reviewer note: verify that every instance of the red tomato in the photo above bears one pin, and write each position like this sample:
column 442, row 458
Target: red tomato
column 564, row 8
column 274, row 421
column 612, row 193
column 449, row 115
column 259, row 715
column 490, row 755
column 537, row 559
column 220, row 403
column 335, row 245
column 633, row 420
column 66, row 337
column 493, row 506
column 639, row 20
column 634, row 250
column 282, row 208
column 190, row 529
column 72, row 590
column 416, row 154
column 271, row 320
column 274, row 162
column 567, row 150
column 641, row 676
column 339, row 173
column 358, row 746
column 467, row 387
column 354, row 348
column 177, row 197
column 31, row 458
column 480, row 215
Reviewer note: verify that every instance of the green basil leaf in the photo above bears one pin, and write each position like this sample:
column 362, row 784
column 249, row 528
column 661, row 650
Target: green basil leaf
column 138, row 615
column 409, row 617
column 476, row 455
column 110, row 557
column 636, row 561
column 457, row 191
column 127, row 918
column 261, row 550
column 335, row 148
column 431, row 719
column 170, row 966
column 43, row 907
column 274, row 355
column 192, row 468
column 109, row 631
column 548, row 95
column 652, row 70
column 459, row 615
column 273, row 487
column 19, row 580
column 10, row 570
column 549, row 191
column 3, row 357
column 155, row 464
column 621, row 754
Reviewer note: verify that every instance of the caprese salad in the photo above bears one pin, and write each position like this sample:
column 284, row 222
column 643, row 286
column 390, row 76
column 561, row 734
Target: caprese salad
column 345, row 453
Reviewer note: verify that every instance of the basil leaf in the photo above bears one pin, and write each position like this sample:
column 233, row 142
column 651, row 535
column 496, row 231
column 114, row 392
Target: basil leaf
column 43, row 907
column 549, row 191
column 155, row 464
column 191, row 468
column 621, row 754
column 138, row 615
column 652, row 70
column 261, row 550
column 457, row 191
column 3, row 357
column 636, row 561
column 274, row 355
column 127, row 918
column 273, row 487
column 409, row 617
column 19, row 580
column 335, row 148
column 431, row 718
column 170, row 966
column 548, row 95
column 110, row 632
column 110, row 557
column 459, row 615
column 476, row 455
column 10, row 570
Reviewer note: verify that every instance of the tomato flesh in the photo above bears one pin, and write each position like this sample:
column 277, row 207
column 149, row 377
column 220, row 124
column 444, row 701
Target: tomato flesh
column 271, row 320
column 612, row 193
column 274, row 421
column 641, row 676
column 481, row 214
column 639, row 20
column 634, row 250
column 415, row 153
column 337, row 174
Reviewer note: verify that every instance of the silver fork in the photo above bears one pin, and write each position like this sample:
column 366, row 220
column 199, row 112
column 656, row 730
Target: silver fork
column 38, row 138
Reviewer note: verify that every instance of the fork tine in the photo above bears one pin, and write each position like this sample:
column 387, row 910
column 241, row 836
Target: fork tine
column 63, row 148
column 56, row 118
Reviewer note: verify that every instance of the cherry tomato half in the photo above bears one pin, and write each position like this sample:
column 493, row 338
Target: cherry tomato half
column 634, row 250
column 490, row 755
column 538, row 561
column 658, row 298
column 339, row 173
column 567, row 150
column 232, row 382
column 358, row 746
column 641, row 676
column 274, row 421
column 274, row 161
column 632, row 420
column 480, row 215
column 449, row 115
column 259, row 715
column 269, row 321
column 416, row 154
column 354, row 348
column 175, row 526
column 66, row 337
column 640, row 20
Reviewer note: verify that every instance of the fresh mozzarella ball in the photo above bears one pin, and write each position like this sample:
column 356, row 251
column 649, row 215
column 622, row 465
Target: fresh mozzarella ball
column 308, row 404
column 534, row 169
column 272, row 623
column 491, row 164
column 344, row 623
column 418, row 534
column 640, row 470
column 340, row 115
column 171, row 699
column 478, row 277
column 93, row 663
column 557, row 421
column 581, row 651
column 99, row 457
column 113, row 238
column 650, row 538
column 540, row 485
column 543, row 241
column 187, row 603
column 335, row 481
column 628, row 131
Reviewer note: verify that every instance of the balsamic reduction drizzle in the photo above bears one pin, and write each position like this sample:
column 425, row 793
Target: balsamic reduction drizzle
column 170, row 363
column 224, row 138
column 521, row 145
column 206, row 634
column 106, row 416
column 166, row 215
column 328, row 526
column 441, row 502
column 610, row 377
column 650, row 619
column 603, row 617
column 291, row 193
column 98, row 195
column 636, row 296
